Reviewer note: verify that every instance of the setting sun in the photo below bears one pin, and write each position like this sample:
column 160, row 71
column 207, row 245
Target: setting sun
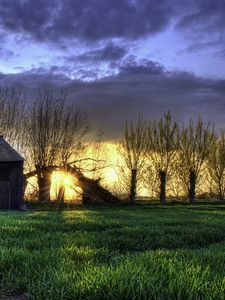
column 67, row 180
column 60, row 179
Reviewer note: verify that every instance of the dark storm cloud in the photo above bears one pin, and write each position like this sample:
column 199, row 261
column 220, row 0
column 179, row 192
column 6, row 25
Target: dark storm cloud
column 98, row 23
column 132, row 66
column 92, row 20
column 26, row 16
column 112, row 100
column 89, row 20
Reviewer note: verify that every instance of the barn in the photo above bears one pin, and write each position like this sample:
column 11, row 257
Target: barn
column 11, row 177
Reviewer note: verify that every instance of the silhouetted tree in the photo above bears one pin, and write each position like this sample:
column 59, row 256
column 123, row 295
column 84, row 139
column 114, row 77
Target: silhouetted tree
column 131, row 149
column 195, row 143
column 12, row 114
column 162, row 142
column 56, row 131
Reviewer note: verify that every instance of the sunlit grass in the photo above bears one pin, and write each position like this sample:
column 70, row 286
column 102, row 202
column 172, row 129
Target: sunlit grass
column 141, row 252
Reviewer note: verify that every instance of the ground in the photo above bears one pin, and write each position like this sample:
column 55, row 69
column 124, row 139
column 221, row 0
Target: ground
column 114, row 252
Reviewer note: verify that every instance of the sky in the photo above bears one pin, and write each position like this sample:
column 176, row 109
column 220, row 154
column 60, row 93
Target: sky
column 118, row 58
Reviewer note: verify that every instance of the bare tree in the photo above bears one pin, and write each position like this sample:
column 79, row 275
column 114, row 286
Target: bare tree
column 162, row 145
column 12, row 112
column 56, row 129
column 216, row 165
column 195, row 143
column 131, row 149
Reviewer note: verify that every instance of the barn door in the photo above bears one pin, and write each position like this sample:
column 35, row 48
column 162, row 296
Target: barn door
column 4, row 195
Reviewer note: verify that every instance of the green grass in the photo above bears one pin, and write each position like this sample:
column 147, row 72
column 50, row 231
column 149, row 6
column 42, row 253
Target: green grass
column 121, row 252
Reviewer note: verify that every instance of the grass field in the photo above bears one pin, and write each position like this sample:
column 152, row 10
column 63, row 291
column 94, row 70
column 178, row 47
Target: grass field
column 123, row 252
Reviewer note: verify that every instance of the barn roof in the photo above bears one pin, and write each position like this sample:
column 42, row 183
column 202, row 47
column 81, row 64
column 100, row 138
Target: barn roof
column 7, row 153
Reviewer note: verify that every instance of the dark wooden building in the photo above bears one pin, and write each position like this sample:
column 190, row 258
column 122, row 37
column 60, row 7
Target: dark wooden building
column 11, row 177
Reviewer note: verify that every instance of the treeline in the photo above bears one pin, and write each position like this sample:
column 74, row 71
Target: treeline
column 162, row 150
column 52, row 132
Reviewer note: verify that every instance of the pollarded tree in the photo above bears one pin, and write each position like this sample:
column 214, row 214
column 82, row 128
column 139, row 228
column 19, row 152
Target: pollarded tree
column 131, row 148
column 195, row 143
column 56, row 129
column 216, row 165
column 162, row 143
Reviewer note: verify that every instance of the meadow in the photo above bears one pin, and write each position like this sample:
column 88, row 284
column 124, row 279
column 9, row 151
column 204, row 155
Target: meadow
column 145, row 251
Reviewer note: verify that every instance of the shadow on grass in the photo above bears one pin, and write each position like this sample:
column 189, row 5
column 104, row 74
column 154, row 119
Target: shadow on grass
column 45, row 253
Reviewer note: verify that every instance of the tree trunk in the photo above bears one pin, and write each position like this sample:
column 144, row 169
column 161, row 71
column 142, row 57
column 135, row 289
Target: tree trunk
column 61, row 194
column 44, row 185
column 162, row 175
column 192, row 186
column 221, row 191
column 133, row 186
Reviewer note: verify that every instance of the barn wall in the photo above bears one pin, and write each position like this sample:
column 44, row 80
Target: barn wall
column 11, row 185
